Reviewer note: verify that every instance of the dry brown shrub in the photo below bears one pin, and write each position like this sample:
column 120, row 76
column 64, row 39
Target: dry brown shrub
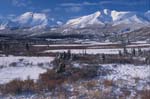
column 50, row 80
column 90, row 84
column 108, row 83
column 136, row 79
column 97, row 94
column 18, row 86
column 145, row 94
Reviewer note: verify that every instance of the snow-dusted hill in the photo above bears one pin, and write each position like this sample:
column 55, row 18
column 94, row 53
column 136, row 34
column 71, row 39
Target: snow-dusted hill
column 101, row 24
column 109, row 17
column 147, row 15
column 85, row 20
column 99, row 18
column 2, row 26
column 29, row 20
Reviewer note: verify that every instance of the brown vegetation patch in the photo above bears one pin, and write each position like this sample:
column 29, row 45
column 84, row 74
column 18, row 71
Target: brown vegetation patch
column 48, row 81
column 145, row 94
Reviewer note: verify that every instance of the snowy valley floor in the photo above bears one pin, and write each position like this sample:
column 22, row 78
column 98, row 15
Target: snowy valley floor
column 125, row 81
column 112, row 81
column 22, row 67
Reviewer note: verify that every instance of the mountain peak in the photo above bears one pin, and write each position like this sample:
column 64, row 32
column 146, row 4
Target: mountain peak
column 85, row 20
column 147, row 15
column 27, row 14
column 106, row 11
column 99, row 18
column 107, row 16
column 97, row 13
column 30, row 19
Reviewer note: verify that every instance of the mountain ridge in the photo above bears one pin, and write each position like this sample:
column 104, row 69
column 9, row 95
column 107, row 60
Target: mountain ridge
column 29, row 20
column 102, row 17
column 109, row 17
column 99, row 25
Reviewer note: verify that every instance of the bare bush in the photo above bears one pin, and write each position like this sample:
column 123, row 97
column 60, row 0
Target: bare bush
column 18, row 86
column 145, row 94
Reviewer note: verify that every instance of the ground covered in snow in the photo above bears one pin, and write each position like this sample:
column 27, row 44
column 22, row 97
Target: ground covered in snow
column 22, row 67
column 88, row 51
column 113, row 81
column 92, row 47
column 128, row 71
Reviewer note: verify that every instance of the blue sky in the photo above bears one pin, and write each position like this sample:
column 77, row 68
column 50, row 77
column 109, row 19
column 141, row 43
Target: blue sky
column 63, row 9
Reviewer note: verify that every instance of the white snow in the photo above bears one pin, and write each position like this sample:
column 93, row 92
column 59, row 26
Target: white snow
column 21, row 67
column 2, row 26
column 7, row 61
column 140, row 42
column 86, row 43
column 139, row 45
column 128, row 71
column 116, row 15
column 96, row 50
column 32, row 19
column 134, row 19
column 108, row 16
column 89, row 42
column 124, row 78
column 106, row 11
column 58, row 45
column 147, row 14
column 88, row 51
column 85, row 20
column 59, row 23
column 11, row 73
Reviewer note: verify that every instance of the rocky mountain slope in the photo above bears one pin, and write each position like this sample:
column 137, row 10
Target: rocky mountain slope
column 102, row 25
column 109, row 17
column 28, row 20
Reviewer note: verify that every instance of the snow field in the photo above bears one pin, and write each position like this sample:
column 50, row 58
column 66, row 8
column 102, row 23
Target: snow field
column 22, row 67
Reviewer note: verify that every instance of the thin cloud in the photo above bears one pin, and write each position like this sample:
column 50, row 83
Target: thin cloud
column 101, row 3
column 46, row 10
column 78, row 4
column 11, row 17
column 21, row 3
column 73, row 9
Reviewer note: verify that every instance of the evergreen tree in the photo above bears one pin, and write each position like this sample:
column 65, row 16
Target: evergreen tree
column 61, row 68
column 103, row 57
column 139, row 51
column 27, row 47
column 125, row 51
column 120, row 53
column 133, row 52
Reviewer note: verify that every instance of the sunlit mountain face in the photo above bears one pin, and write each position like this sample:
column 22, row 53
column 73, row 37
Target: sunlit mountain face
column 63, row 10
column 101, row 17
column 110, row 17
column 77, row 17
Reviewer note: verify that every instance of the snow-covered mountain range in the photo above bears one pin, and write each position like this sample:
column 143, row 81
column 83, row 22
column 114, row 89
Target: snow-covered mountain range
column 110, row 17
column 101, row 18
column 28, row 20
column 104, row 23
